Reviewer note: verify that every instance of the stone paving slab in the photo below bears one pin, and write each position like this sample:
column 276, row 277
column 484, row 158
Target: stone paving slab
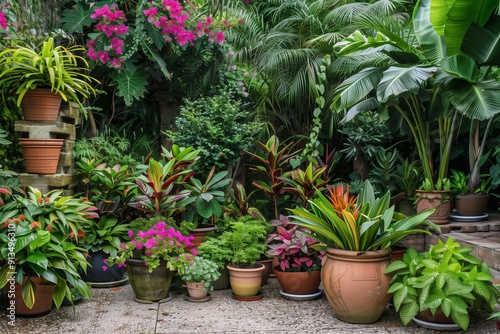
column 115, row 312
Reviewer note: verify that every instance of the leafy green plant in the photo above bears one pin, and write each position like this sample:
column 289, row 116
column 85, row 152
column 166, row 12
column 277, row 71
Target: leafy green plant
column 105, row 235
column 408, row 176
column 238, row 203
column 304, row 184
column 217, row 126
column 47, row 229
column 201, row 270
column 110, row 148
column 204, row 202
column 55, row 67
column 358, row 223
column 447, row 276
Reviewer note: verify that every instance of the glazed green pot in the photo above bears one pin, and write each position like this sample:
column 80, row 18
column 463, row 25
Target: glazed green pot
column 148, row 286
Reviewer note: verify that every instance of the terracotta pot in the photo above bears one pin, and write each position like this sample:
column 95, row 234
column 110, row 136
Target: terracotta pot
column 471, row 204
column 245, row 282
column 268, row 269
column 96, row 274
column 200, row 233
column 148, row 286
column 41, row 156
column 40, row 104
column 43, row 297
column 196, row 290
column 298, row 283
column 355, row 284
column 439, row 200
column 398, row 252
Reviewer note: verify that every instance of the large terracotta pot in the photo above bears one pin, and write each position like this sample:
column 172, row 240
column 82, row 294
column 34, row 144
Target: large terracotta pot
column 471, row 204
column 41, row 156
column 439, row 200
column 298, row 283
column 40, row 104
column 148, row 286
column 245, row 282
column 355, row 284
column 43, row 297
column 96, row 274
column 200, row 233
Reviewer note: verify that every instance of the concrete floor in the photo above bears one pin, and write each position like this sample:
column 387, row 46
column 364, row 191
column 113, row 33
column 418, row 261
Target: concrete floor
column 114, row 311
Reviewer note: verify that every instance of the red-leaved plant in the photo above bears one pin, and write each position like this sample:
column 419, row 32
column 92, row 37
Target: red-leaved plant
column 292, row 247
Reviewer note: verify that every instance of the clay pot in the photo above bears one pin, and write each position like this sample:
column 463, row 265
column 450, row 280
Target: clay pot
column 148, row 286
column 439, row 200
column 355, row 284
column 200, row 233
column 40, row 104
column 245, row 282
column 196, row 290
column 41, row 156
column 43, row 297
column 268, row 269
column 471, row 204
column 298, row 283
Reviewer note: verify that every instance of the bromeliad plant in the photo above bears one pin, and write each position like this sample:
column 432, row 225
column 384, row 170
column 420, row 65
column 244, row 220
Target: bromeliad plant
column 293, row 247
column 358, row 223
column 448, row 277
column 47, row 230
column 160, row 243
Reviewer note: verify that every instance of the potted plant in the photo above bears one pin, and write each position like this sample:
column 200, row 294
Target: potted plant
column 299, row 264
column 446, row 279
column 152, row 256
column 106, row 187
column 199, row 275
column 408, row 176
column 244, row 242
column 41, row 258
column 357, row 233
column 47, row 70
column 470, row 205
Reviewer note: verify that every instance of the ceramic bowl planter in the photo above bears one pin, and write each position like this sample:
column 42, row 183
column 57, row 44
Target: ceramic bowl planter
column 298, row 282
column 439, row 200
column 471, row 204
column 148, row 287
column 245, row 282
column 98, row 277
column 355, row 284
column 41, row 156
column 43, row 297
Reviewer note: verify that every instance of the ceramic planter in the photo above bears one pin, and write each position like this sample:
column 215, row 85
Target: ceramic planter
column 245, row 282
column 40, row 104
column 298, row 283
column 95, row 273
column 41, row 156
column 439, row 200
column 200, row 233
column 355, row 284
column 268, row 269
column 43, row 297
column 196, row 290
column 471, row 204
column 148, row 287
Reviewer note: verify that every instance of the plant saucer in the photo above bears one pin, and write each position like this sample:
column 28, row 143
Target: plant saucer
column 467, row 219
column 436, row 326
column 258, row 296
column 309, row 296
column 109, row 284
column 198, row 300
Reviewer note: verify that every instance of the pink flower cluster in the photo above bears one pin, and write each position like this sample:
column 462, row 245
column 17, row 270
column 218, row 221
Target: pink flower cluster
column 159, row 243
column 3, row 18
column 171, row 18
column 107, row 45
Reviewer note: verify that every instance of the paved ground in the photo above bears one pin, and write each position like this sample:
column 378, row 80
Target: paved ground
column 113, row 311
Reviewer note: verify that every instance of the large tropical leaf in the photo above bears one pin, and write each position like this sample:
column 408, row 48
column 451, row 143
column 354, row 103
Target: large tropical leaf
column 398, row 80
column 356, row 88
column 475, row 100
column 131, row 83
column 460, row 66
column 431, row 43
column 76, row 19
column 483, row 43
